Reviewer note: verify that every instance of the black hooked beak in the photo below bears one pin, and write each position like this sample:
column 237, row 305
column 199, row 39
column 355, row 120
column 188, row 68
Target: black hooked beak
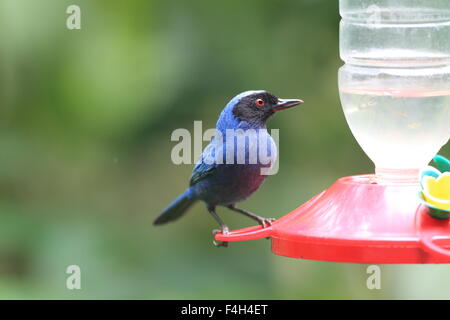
column 286, row 104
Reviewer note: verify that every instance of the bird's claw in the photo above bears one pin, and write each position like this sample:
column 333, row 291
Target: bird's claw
column 220, row 244
column 224, row 230
column 266, row 222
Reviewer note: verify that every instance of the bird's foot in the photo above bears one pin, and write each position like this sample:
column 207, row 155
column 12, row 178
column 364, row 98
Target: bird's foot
column 220, row 244
column 265, row 222
column 224, row 230
column 224, row 244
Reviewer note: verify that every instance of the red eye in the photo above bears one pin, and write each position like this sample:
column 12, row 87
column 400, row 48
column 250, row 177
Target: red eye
column 259, row 102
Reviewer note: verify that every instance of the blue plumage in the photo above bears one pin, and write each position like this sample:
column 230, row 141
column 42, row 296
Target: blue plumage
column 230, row 167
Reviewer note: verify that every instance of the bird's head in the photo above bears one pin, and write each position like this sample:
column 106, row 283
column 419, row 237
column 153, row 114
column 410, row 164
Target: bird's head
column 259, row 106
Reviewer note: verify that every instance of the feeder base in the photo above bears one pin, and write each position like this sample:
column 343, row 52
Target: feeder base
column 357, row 220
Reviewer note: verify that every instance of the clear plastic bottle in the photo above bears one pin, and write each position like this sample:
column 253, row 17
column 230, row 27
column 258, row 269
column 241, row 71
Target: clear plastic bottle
column 395, row 84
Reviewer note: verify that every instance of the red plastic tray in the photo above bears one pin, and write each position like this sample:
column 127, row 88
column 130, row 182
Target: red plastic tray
column 358, row 220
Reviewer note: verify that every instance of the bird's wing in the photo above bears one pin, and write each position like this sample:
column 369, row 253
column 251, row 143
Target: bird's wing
column 201, row 171
column 204, row 167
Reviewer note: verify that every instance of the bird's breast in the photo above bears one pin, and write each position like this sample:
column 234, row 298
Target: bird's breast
column 249, row 147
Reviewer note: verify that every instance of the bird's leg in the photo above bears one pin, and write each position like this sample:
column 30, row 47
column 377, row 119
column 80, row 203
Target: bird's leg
column 264, row 222
column 223, row 227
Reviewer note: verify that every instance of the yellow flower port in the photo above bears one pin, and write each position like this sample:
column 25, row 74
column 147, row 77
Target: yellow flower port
column 436, row 191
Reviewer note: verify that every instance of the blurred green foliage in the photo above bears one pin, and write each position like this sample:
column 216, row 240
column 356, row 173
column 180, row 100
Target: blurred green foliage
column 85, row 123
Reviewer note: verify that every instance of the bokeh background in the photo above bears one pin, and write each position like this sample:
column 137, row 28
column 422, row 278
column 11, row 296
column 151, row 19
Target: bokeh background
column 85, row 123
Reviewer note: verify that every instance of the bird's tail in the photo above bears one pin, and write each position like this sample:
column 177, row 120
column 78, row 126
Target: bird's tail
column 175, row 210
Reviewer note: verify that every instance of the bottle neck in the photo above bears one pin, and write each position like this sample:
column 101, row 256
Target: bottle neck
column 397, row 176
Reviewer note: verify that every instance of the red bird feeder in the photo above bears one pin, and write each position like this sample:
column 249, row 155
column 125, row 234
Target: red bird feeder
column 358, row 220
column 395, row 92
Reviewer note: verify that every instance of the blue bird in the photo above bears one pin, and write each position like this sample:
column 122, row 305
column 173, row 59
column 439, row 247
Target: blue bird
column 230, row 168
